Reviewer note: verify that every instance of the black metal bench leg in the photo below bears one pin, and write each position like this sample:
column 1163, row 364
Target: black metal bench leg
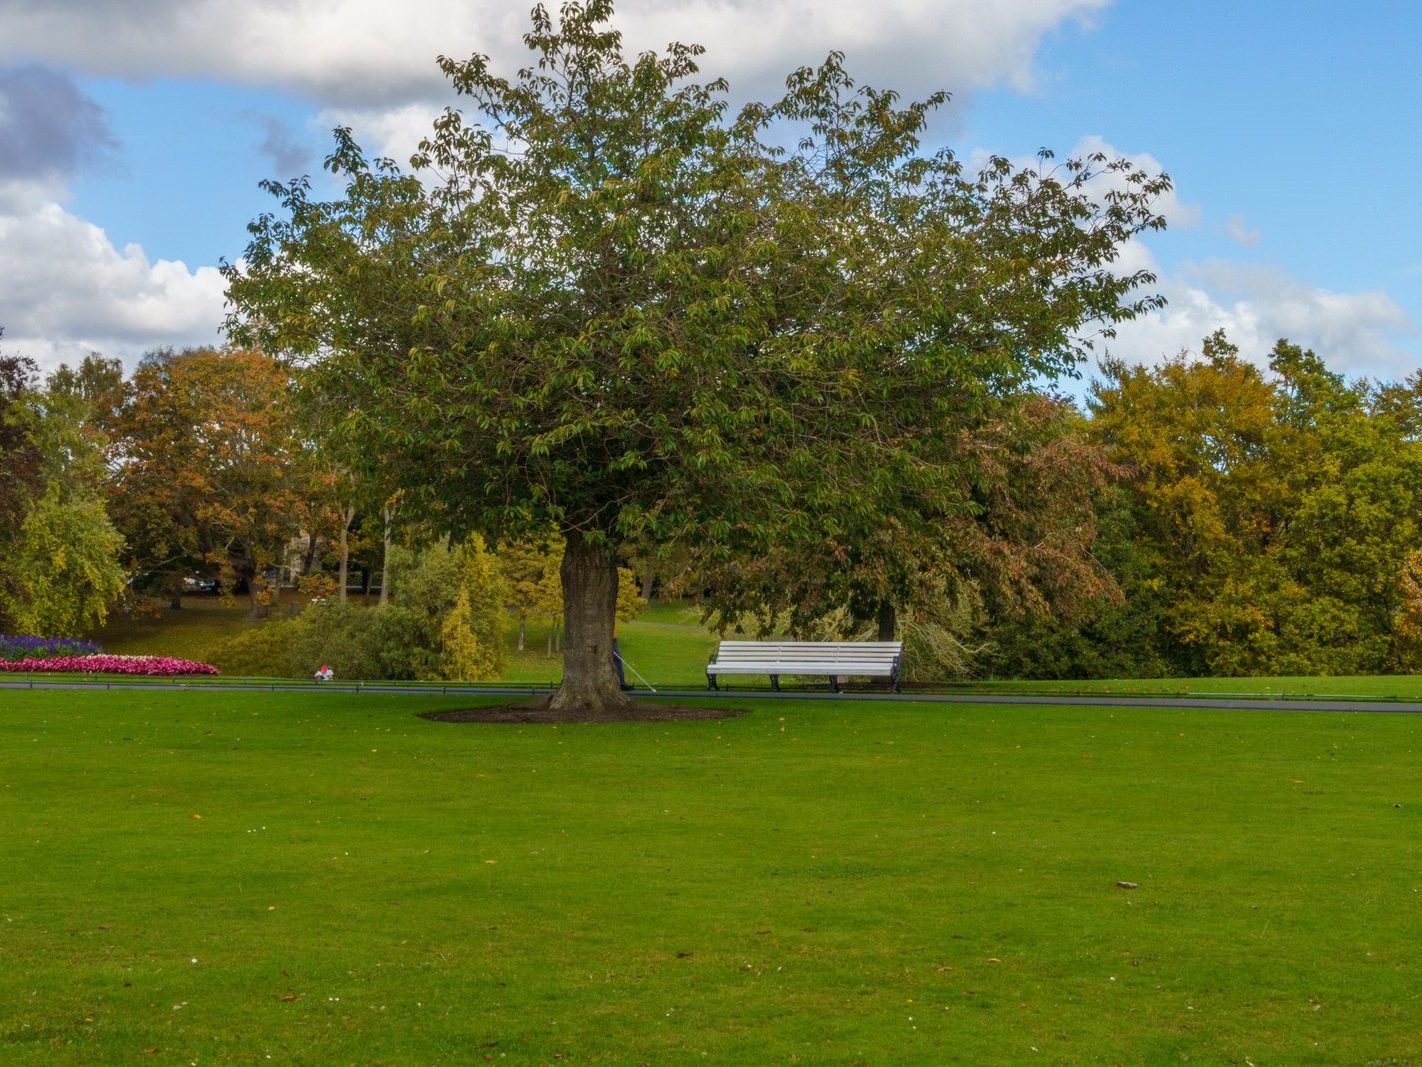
column 775, row 682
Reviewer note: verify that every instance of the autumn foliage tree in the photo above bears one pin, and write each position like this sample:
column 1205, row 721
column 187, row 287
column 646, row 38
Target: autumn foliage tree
column 1018, row 545
column 1275, row 511
column 603, row 303
column 211, row 468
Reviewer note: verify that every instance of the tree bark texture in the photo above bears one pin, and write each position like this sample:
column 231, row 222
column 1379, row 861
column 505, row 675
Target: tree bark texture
column 590, row 687
column 244, row 569
column 347, row 516
column 386, row 571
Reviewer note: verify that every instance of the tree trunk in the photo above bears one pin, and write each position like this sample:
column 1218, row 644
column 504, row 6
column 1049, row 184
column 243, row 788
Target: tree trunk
column 385, row 570
column 347, row 514
column 888, row 620
column 521, row 621
column 244, row 568
column 590, row 688
column 649, row 583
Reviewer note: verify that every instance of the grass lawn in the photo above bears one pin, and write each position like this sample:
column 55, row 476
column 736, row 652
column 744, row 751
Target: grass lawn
column 666, row 646
column 324, row 877
column 1402, row 686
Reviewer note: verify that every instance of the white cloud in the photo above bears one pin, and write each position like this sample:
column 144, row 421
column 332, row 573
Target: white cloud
column 1355, row 333
column 1178, row 213
column 1237, row 231
column 360, row 53
column 68, row 291
column 393, row 132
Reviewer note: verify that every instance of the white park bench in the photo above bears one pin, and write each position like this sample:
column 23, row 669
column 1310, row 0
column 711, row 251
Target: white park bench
column 832, row 659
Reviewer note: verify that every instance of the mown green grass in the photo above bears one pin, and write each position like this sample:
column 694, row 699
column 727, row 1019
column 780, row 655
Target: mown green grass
column 827, row 882
column 1405, row 686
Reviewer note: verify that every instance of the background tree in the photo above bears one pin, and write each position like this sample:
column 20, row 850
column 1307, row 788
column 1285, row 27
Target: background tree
column 212, row 470
column 527, row 564
column 475, row 625
column 1274, row 513
column 650, row 322
column 1019, row 547
column 59, row 568
column 21, row 473
column 64, row 566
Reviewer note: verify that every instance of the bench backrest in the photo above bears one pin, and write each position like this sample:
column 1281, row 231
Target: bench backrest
column 810, row 653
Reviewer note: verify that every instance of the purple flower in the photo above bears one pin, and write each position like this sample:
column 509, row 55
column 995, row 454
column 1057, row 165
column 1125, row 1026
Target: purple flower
column 28, row 646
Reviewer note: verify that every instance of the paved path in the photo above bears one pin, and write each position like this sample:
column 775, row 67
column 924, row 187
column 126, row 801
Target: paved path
column 1203, row 700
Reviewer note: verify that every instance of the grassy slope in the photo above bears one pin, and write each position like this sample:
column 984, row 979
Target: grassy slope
column 866, row 883
column 189, row 633
column 668, row 647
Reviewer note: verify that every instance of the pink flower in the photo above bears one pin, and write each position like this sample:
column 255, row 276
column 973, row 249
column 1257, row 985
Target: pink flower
column 156, row 666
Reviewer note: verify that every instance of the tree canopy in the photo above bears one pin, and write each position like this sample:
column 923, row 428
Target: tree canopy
column 602, row 302
column 1268, row 525
column 211, row 471
column 59, row 568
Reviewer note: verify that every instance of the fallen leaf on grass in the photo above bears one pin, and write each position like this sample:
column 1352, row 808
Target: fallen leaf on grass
column 1128, row 885
column 286, row 998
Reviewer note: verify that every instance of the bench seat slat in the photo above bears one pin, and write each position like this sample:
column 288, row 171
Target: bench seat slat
column 789, row 667
column 875, row 659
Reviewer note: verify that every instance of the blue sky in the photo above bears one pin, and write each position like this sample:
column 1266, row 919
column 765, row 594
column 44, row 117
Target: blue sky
column 131, row 146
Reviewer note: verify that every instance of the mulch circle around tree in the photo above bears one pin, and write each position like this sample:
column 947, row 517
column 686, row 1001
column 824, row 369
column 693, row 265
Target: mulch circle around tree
column 539, row 711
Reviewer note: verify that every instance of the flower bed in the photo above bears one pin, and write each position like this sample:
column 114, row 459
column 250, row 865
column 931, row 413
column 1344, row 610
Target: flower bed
column 28, row 646
column 154, row 666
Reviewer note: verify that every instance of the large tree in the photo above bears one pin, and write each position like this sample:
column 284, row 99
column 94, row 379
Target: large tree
column 1273, row 514
column 21, row 459
column 59, row 568
column 210, row 468
column 605, row 303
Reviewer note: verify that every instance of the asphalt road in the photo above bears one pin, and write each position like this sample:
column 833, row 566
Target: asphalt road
column 1411, row 707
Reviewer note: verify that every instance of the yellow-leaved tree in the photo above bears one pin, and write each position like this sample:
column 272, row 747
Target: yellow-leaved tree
column 473, row 630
